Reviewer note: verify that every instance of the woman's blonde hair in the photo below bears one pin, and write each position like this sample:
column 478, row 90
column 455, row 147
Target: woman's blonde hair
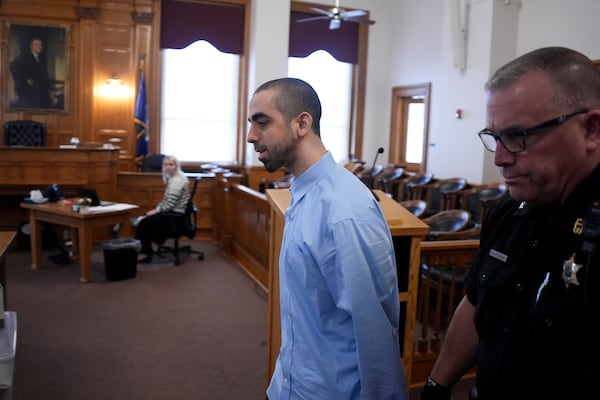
column 178, row 171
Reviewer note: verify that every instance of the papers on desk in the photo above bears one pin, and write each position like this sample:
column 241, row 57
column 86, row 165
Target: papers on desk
column 109, row 207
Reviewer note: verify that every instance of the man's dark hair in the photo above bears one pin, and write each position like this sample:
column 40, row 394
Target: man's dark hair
column 293, row 97
column 574, row 77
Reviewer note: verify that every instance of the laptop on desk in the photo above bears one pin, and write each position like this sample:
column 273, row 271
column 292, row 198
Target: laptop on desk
column 92, row 194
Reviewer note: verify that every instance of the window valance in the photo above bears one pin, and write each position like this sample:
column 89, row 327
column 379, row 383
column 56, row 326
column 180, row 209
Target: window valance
column 308, row 37
column 185, row 22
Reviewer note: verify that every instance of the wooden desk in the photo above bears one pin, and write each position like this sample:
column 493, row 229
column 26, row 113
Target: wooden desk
column 407, row 232
column 61, row 214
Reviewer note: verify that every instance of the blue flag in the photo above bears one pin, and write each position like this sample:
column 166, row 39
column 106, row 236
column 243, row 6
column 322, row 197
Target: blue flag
column 141, row 121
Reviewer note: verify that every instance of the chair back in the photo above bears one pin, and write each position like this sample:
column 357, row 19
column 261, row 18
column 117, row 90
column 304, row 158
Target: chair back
column 390, row 173
column 191, row 213
column 416, row 207
column 152, row 163
column 367, row 175
column 25, row 133
column 482, row 198
column 437, row 193
column 411, row 188
column 448, row 221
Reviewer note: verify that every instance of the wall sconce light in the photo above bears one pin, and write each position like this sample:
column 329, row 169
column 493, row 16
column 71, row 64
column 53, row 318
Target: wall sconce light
column 114, row 88
column 114, row 80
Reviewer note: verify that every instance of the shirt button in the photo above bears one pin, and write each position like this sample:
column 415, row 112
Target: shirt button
column 288, row 317
column 285, row 380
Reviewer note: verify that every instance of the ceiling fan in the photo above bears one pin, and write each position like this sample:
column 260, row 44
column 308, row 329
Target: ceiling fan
column 336, row 15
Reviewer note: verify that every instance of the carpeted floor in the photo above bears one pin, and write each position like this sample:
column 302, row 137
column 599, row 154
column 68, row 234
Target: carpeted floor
column 195, row 331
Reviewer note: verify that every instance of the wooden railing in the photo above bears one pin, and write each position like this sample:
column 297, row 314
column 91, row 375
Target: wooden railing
column 242, row 219
column 443, row 267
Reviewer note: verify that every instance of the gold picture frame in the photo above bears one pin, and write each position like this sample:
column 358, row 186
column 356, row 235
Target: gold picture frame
column 37, row 68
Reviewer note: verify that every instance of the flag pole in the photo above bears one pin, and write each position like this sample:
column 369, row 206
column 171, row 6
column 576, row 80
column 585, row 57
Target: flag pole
column 140, row 119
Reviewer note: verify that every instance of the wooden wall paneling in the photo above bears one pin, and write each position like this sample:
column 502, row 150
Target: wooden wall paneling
column 84, row 90
column 115, row 102
column 66, row 126
column 224, row 212
column 24, row 169
column 223, row 209
column 43, row 9
column 204, row 201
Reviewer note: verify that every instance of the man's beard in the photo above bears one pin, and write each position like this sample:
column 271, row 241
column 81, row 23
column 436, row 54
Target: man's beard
column 281, row 155
column 273, row 165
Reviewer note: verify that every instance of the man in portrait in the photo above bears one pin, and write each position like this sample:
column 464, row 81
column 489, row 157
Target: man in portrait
column 30, row 75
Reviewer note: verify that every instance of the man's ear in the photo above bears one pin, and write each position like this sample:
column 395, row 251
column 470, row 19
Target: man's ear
column 304, row 121
column 592, row 127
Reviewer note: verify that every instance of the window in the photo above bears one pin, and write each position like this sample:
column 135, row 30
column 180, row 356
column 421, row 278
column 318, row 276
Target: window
column 415, row 131
column 332, row 81
column 409, row 136
column 349, row 46
column 203, row 73
column 200, row 103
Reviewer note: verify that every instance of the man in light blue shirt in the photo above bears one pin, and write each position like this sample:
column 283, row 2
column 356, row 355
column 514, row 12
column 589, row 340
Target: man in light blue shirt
column 338, row 285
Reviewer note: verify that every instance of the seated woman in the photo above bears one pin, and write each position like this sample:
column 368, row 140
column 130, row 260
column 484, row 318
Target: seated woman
column 154, row 227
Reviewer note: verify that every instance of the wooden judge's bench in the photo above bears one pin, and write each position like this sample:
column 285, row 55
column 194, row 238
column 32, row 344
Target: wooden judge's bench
column 23, row 169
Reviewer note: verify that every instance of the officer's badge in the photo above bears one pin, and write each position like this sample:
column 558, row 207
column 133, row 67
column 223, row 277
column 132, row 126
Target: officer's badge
column 570, row 268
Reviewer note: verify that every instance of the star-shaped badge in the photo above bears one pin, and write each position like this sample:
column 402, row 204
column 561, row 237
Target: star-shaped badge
column 570, row 268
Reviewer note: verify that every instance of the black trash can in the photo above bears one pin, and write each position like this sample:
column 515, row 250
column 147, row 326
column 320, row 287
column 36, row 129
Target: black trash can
column 120, row 258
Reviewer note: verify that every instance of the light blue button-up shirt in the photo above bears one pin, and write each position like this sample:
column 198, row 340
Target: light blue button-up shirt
column 338, row 293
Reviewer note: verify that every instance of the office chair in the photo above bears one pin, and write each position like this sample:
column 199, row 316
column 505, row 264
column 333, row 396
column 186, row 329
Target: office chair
column 25, row 133
column 183, row 226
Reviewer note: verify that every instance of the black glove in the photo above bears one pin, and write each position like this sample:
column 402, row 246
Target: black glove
column 435, row 391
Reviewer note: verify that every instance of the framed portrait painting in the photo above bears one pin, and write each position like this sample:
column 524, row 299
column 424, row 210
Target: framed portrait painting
column 38, row 68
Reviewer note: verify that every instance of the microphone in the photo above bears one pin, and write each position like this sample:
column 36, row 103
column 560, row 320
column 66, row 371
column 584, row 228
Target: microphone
column 370, row 180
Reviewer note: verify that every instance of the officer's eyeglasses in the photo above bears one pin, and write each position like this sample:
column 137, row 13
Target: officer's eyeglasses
column 514, row 140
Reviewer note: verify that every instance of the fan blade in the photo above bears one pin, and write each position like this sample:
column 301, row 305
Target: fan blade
column 320, row 11
column 352, row 14
column 360, row 20
column 335, row 24
column 312, row 18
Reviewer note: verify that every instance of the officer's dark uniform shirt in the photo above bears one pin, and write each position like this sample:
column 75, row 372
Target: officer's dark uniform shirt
column 534, row 338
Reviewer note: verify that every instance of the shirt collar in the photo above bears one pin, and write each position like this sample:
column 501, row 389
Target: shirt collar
column 311, row 176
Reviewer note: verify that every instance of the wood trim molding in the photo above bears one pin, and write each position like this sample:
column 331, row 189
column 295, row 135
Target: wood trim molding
column 87, row 12
column 142, row 18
